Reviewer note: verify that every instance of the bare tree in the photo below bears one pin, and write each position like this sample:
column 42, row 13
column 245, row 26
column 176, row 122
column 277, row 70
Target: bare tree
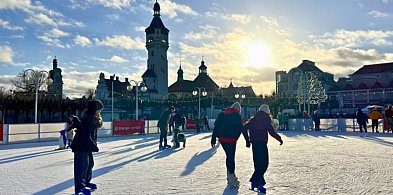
column 90, row 93
column 26, row 83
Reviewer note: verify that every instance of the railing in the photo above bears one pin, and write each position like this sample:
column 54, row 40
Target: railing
column 21, row 133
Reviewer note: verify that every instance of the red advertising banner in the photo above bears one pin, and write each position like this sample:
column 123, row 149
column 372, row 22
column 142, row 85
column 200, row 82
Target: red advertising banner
column 1, row 132
column 192, row 125
column 128, row 127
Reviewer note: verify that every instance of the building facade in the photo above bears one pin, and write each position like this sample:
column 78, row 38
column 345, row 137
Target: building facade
column 56, row 88
column 370, row 85
column 287, row 83
column 156, row 75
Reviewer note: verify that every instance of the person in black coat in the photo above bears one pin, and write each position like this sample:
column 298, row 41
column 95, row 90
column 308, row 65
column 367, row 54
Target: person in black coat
column 362, row 119
column 228, row 127
column 84, row 144
column 317, row 120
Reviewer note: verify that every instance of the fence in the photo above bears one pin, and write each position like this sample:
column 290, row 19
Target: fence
column 21, row 133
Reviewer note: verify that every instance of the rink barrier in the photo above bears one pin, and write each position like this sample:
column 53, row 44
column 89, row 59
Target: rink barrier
column 22, row 133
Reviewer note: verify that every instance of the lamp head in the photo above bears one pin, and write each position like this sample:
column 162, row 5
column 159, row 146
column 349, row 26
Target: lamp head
column 204, row 93
column 194, row 92
column 236, row 95
column 143, row 87
column 49, row 81
column 129, row 88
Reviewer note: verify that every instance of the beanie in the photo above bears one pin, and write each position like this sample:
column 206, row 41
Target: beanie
column 265, row 108
column 237, row 106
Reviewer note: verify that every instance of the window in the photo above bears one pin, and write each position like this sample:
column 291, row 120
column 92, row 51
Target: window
column 152, row 53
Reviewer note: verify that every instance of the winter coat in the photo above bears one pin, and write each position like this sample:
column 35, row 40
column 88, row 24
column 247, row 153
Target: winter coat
column 258, row 127
column 176, row 119
column 227, row 127
column 389, row 113
column 163, row 122
column 316, row 118
column 361, row 117
column 70, row 127
column 85, row 139
column 375, row 115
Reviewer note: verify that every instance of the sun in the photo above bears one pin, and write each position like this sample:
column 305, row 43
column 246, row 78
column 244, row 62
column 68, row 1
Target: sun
column 256, row 54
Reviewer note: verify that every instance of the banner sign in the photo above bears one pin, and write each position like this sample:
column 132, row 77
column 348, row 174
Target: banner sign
column 192, row 125
column 128, row 127
column 1, row 132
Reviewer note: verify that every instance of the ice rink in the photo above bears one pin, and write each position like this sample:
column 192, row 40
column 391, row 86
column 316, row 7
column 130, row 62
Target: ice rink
column 307, row 163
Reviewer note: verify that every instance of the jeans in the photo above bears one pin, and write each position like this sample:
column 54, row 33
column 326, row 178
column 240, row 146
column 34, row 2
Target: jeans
column 230, row 150
column 260, row 157
column 163, row 135
column 83, row 168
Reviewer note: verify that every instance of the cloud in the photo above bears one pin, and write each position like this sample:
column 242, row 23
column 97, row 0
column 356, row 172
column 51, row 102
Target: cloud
column 171, row 9
column 113, row 16
column 6, row 24
column 116, row 59
column 121, row 42
column 354, row 38
column 272, row 25
column 140, row 29
column 52, row 38
column 38, row 13
column 57, row 33
column 208, row 32
column 6, row 55
column 114, row 4
column 244, row 19
column 378, row 14
column 82, row 41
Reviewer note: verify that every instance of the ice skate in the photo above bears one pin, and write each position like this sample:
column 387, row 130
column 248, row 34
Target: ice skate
column 232, row 180
column 160, row 147
column 261, row 189
column 92, row 186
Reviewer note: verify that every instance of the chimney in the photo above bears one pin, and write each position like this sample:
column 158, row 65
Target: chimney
column 117, row 78
column 126, row 80
column 111, row 77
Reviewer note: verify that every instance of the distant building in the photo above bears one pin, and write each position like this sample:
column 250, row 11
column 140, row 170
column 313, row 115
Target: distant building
column 231, row 91
column 183, row 88
column 371, row 84
column 156, row 75
column 104, row 88
column 287, row 83
column 56, row 88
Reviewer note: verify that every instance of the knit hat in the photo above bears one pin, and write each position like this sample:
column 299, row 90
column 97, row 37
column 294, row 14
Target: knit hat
column 265, row 108
column 237, row 106
column 94, row 105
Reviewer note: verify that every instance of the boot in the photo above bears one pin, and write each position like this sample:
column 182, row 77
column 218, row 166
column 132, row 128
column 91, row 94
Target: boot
column 232, row 180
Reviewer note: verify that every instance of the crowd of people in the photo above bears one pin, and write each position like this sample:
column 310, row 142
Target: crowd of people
column 80, row 135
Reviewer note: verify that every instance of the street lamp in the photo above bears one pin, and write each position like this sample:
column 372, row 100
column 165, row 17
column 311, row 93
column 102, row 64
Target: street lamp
column 241, row 96
column 204, row 93
column 143, row 89
column 40, row 77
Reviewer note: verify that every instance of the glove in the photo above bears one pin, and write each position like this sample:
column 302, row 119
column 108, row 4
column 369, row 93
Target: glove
column 281, row 142
column 248, row 144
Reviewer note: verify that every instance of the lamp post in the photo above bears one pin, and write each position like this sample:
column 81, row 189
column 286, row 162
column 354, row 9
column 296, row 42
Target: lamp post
column 112, row 96
column 143, row 89
column 204, row 93
column 40, row 77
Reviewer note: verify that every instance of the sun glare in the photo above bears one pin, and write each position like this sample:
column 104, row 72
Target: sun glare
column 256, row 54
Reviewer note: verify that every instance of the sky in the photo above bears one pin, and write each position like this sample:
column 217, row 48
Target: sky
column 243, row 40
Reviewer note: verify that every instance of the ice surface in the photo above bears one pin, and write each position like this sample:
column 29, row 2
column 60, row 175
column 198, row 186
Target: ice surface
column 307, row 163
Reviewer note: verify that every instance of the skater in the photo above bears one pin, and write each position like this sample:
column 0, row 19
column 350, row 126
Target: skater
column 375, row 116
column 206, row 122
column 286, row 119
column 62, row 140
column 163, row 126
column 176, row 124
column 71, row 124
column 256, row 132
column 317, row 120
column 198, row 124
column 183, row 122
column 389, row 118
column 83, row 146
column 228, row 127
column 361, row 119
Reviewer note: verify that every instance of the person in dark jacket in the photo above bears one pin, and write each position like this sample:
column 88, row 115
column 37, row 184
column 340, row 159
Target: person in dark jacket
column 163, row 126
column 317, row 120
column 362, row 119
column 256, row 132
column 84, row 144
column 228, row 127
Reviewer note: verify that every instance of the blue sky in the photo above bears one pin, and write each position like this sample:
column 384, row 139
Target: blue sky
column 244, row 40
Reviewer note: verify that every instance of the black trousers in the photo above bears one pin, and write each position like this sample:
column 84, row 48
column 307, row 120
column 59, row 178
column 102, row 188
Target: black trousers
column 363, row 125
column 83, row 168
column 260, row 156
column 230, row 150
column 163, row 135
column 374, row 123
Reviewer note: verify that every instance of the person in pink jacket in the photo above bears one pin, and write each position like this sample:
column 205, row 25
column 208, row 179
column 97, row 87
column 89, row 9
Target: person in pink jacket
column 255, row 133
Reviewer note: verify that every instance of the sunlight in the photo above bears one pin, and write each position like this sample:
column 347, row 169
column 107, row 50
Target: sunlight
column 256, row 54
